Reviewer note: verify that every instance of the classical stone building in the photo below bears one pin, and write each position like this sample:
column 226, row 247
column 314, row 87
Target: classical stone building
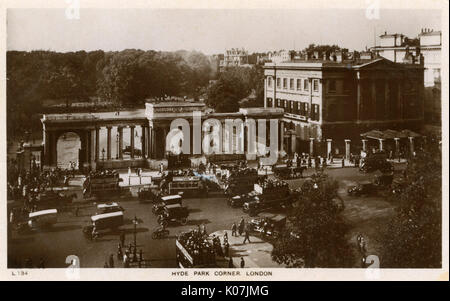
column 428, row 45
column 331, row 101
column 154, row 121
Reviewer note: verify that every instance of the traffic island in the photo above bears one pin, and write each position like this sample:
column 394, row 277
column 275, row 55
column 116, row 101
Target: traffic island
column 256, row 254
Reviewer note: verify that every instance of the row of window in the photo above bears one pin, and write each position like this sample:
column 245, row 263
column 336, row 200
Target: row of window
column 296, row 107
column 294, row 84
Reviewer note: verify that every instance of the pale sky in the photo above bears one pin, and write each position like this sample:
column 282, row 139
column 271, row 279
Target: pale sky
column 209, row 31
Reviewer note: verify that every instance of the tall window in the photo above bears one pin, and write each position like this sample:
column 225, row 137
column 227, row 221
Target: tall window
column 299, row 84
column 316, row 85
column 284, row 83
column 278, row 82
column 269, row 81
column 291, row 84
column 306, row 85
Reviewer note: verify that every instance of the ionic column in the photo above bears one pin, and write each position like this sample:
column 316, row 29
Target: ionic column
column 87, row 147
column 311, row 146
column 108, row 142
column 364, row 145
column 281, row 135
column 397, row 146
column 150, row 141
column 165, row 131
column 120, row 130
column 132, row 141
column 53, row 149
column 347, row 149
column 46, row 147
column 381, row 144
column 329, row 149
column 143, row 144
column 411, row 145
column 97, row 143
column 293, row 142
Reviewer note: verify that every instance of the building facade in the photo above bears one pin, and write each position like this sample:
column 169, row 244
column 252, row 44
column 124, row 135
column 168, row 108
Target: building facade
column 338, row 100
column 399, row 48
column 234, row 58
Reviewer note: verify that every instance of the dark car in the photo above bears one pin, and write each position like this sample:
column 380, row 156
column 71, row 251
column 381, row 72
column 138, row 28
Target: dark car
column 173, row 213
column 371, row 164
column 363, row 188
column 384, row 179
column 239, row 200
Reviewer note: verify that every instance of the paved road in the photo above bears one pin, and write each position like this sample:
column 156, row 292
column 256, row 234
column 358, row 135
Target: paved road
column 367, row 216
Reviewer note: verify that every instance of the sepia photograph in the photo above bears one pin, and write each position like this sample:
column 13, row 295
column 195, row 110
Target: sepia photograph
column 246, row 141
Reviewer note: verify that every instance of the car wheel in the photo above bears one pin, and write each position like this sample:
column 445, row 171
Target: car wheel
column 183, row 221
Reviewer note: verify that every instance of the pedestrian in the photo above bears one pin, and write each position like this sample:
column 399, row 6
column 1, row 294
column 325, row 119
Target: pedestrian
column 111, row 261
column 225, row 237
column 119, row 253
column 41, row 263
column 241, row 226
column 343, row 162
column 106, row 265
column 77, row 210
column 242, row 263
column 125, row 257
column 233, row 230
column 122, row 238
column 226, row 248
column 230, row 263
column 247, row 237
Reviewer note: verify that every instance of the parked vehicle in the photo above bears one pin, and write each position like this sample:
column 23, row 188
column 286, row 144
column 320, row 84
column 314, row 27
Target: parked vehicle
column 109, row 207
column 173, row 213
column 270, row 225
column 374, row 163
column 384, row 179
column 239, row 200
column 167, row 200
column 42, row 218
column 285, row 172
column 366, row 188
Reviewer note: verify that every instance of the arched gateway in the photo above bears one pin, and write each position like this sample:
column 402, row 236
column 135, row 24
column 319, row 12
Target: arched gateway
column 154, row 120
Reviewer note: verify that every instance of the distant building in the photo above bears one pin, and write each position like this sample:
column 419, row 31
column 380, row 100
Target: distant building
column 399, row 48
column 234, row 58
column 341, row 95
column 279, row 56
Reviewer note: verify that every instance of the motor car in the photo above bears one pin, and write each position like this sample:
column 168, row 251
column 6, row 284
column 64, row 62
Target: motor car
column 363, row 188
column 173, row 213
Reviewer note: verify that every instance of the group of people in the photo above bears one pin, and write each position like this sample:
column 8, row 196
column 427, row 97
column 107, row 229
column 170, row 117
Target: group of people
column 197, row 245
column 125, row 254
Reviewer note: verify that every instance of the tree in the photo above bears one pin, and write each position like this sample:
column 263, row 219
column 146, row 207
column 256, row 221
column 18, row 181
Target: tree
column 231, row 86
column 413, row 236
column 322, row 48
column 316, row 234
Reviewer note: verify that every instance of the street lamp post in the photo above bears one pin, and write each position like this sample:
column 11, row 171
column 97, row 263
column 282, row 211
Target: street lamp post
column 135, row 222
column 117, row 146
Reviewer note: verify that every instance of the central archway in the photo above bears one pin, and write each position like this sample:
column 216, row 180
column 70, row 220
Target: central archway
column 68, row 147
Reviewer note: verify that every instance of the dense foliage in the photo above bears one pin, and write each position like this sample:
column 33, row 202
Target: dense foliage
column 316, row 234
column 233, row 85
column 414, row 238
column 125, row 77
